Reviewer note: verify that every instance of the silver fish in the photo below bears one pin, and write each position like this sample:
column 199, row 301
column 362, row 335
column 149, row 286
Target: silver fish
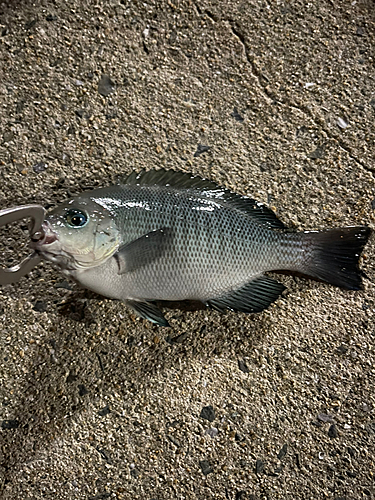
column 168, row 236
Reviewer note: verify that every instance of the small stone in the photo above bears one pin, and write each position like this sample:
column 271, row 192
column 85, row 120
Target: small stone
column 332, row 431
column 318, row 153
column 351, row 473
column 206, row 467
column 40, row 306
column 259, row 466
column 8, row 136
column 40, row 167
column 51, row 17
column 105, row 86
column 373, row 204
column 360, row 31
column 71, row 378
column 104, row 411
column 240, row 495
column 239, row 437
column 30, row 24
column 178, row 339
column 82, row 391
column 201, row 149
column 323, row 417
column 63, row 284
column 135, row 473
column 173, row 440
column 9, row 424
column 212, row 432
column 237, row 116
column 342, row 349
column 208, row 413
column 243, row 366
column 341, row 123
column 282, row 452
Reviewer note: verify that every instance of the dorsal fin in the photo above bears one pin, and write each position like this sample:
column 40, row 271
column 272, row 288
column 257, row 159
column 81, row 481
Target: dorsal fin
column 181, row 180
column 170, row 178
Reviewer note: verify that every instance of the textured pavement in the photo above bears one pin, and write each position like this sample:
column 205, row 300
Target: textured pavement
column 273, row 99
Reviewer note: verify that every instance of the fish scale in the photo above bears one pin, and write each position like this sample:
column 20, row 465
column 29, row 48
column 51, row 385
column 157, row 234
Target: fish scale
column 166, row 235
column 210, row 238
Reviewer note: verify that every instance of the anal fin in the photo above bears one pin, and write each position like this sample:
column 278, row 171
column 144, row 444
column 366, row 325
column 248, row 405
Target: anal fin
column 250, row 298
column 148, row 310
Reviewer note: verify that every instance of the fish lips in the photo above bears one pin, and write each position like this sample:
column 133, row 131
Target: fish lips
column 46, row 243
column 45, row 236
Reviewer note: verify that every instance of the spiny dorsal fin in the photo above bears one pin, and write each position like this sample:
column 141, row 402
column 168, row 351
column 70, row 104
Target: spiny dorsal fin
column 181, row 180
column 177, row 180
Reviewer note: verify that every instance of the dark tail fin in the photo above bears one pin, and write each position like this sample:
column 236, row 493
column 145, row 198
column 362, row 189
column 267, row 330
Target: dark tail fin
column 333, row 255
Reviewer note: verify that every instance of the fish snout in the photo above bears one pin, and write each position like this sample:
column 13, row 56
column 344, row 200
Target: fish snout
column 44, row 236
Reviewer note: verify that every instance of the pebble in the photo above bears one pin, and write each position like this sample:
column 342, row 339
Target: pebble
column 40, row 167
column 82, row 391
column 243, row 366
column 105, row 86
column 9, row 424
column 323, row 417
column 241, row 495
column 208, row 413
column 282, row 452
column 104, row 411
column 212, row 432
column 206, row 467
column 173, row 440
column 332, row 431
column 135, row 473
column 8, row 136
column 40, row 306
column 259, row 466
column 201, row 149
column 239, row 437
column 318, row 153
column 341, row 123
column 237, row 116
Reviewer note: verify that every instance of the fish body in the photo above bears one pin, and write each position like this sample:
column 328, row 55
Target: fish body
column 165, row 235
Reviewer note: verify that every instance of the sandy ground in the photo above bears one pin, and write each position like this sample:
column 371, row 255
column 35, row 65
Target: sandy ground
column 95, row 403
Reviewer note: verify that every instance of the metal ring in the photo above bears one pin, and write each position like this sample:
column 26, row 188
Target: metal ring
column 37, row 214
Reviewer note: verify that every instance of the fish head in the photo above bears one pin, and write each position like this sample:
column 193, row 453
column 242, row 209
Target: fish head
column 77, row 235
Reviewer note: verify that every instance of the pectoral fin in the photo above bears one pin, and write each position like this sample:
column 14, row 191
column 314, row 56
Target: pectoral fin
column 148, row 310
column 251, row 298
column 144, row 250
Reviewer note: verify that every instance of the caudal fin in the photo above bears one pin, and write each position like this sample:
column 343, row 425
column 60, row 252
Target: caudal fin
column 333, row 255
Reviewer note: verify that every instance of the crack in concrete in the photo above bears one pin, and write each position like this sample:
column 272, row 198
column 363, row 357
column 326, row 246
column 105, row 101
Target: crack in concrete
column 236, row 31
column 304, row 109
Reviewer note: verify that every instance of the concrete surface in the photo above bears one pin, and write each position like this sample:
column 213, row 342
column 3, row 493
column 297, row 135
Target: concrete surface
column 95, row 403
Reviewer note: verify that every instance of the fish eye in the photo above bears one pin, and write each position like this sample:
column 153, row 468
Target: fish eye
column 76, row 218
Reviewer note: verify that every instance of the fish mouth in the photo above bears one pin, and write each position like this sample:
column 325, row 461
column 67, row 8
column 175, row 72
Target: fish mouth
column 46, row 243
column 45, row 236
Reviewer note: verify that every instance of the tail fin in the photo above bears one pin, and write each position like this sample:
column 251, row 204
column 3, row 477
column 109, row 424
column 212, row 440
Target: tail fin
column 333, row 255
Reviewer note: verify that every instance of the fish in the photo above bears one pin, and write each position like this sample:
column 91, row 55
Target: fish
column 164, row 235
